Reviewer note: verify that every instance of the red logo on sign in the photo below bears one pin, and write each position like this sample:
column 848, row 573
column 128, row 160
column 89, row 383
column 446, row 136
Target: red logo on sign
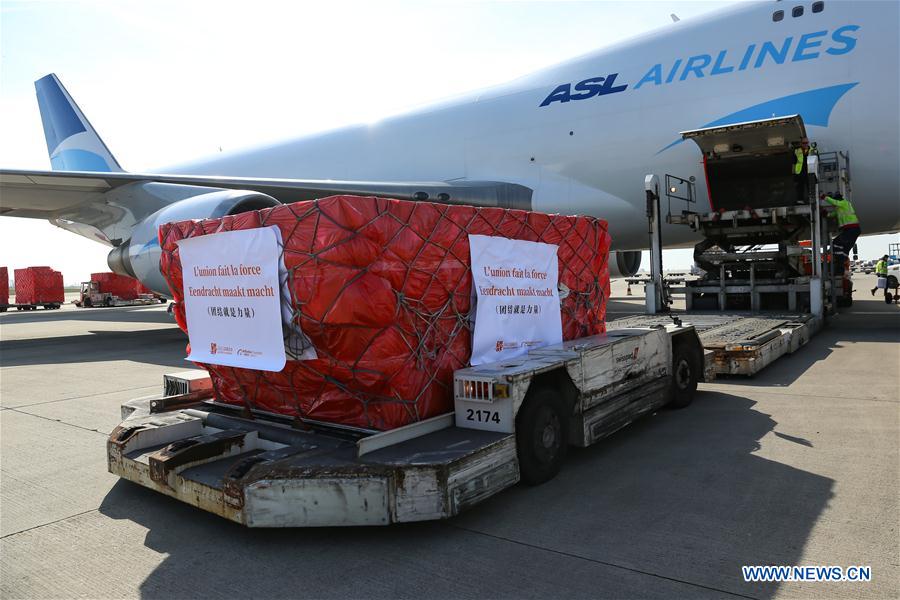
column 212, row 348
column 499, row 345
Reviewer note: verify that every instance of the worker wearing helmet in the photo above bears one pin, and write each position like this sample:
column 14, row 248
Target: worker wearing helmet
column 848, row 223
column 881, row 270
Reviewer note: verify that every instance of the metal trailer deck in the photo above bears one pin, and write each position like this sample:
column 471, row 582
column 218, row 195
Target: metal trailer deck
column 512, row 421
column 263, row 473
column 740, row 343
column 46, row 305
column 118, row 302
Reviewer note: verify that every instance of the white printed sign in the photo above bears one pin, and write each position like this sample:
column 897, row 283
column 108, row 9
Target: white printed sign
column 232, row 299
column 517, row 297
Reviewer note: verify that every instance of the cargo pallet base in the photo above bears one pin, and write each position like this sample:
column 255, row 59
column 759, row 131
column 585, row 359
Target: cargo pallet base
column 740, row 343
column 512, row 421
column 48, row 306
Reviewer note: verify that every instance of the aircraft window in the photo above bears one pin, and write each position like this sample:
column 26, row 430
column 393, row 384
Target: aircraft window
column 797, row 11
column 778, row 15
column 818, row 7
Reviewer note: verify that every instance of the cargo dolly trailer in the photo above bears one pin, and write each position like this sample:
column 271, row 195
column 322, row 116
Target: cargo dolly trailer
column 34, row 306
column 513, row 421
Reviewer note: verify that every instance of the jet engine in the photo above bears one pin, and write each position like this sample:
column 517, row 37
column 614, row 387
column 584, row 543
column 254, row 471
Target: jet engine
column 624, row 263
column 139, row 256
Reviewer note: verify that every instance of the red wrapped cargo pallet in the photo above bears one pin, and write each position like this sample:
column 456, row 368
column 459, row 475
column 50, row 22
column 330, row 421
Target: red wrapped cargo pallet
column 383, row 290
column 39, row 285
column 121, row 286
column 4, row 286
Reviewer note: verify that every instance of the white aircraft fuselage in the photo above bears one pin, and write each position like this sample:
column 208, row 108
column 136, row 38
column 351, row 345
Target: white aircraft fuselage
column 584, row 133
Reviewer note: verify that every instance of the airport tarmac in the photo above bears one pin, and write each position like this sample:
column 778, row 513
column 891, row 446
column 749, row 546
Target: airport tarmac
column 798, row 466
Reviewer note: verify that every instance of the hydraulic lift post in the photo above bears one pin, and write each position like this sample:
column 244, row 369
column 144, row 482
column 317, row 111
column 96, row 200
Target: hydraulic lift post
column 656, row 297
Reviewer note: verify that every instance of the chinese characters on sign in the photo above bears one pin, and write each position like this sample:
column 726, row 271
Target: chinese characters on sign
column 229, row 311
column 517, row 300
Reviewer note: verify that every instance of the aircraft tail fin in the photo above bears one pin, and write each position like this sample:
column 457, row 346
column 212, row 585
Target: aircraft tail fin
column 72, row 143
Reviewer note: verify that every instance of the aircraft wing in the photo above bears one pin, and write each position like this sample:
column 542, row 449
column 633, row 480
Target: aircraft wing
column 55, row 194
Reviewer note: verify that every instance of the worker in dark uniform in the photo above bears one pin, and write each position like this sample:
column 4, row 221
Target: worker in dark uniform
column 844, row 241
column 881, row 270
column 801, row 171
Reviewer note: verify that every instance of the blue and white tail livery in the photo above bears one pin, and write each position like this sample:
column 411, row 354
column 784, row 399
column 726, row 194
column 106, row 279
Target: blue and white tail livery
column 71, row 141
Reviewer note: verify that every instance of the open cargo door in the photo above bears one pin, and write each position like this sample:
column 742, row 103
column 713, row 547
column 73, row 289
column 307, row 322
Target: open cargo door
column 750, row 164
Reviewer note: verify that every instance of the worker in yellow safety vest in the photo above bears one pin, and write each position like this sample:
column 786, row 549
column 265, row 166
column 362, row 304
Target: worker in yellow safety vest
column 881, row 271
column 848, row 223
column 801, row 171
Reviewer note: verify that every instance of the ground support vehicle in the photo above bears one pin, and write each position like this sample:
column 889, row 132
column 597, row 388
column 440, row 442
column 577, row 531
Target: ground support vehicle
column 512, row 421
column 765, row 261
column 766, row 240
column 92, row 296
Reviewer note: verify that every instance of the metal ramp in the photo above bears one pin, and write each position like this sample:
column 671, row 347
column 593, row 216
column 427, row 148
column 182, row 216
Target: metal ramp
column 740, row 343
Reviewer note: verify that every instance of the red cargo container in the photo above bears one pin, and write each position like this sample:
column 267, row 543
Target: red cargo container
column 383, row 290
column 4, row 286
column 39, row 285
column 121, row 286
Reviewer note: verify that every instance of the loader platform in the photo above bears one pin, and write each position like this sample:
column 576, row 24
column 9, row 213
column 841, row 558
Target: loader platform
column 740, row 343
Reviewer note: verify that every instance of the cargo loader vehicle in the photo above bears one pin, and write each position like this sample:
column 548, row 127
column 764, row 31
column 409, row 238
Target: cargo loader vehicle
column 512, row 421
column 92, row 296
column 767, row 278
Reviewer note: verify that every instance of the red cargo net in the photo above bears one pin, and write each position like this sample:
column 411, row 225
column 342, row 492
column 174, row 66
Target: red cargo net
column 39, row 285
column 4, row 286
column 121, row 286
column 383, row 289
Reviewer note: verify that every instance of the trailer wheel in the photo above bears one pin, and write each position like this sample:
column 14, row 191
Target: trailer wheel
column 542, row 435
column 687, row 365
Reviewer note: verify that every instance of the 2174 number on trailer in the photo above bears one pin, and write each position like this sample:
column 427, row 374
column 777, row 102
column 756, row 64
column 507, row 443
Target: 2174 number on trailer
column 482, row 416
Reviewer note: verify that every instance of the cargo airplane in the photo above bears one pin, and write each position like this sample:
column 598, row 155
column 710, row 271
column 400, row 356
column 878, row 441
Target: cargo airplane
column 576, row 138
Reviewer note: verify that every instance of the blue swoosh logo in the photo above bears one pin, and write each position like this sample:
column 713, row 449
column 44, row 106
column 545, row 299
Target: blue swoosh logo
column 78, row 160
column 814, row 106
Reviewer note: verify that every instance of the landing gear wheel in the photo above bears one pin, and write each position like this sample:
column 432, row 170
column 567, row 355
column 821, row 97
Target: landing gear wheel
column 542, row 435
column 107, row 302
column 87, row 303
column 686, row 367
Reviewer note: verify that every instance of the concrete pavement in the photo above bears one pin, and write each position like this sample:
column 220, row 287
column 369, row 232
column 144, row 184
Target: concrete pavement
column 797, row 466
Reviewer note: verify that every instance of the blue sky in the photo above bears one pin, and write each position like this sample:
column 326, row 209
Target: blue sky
column 165, row 82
